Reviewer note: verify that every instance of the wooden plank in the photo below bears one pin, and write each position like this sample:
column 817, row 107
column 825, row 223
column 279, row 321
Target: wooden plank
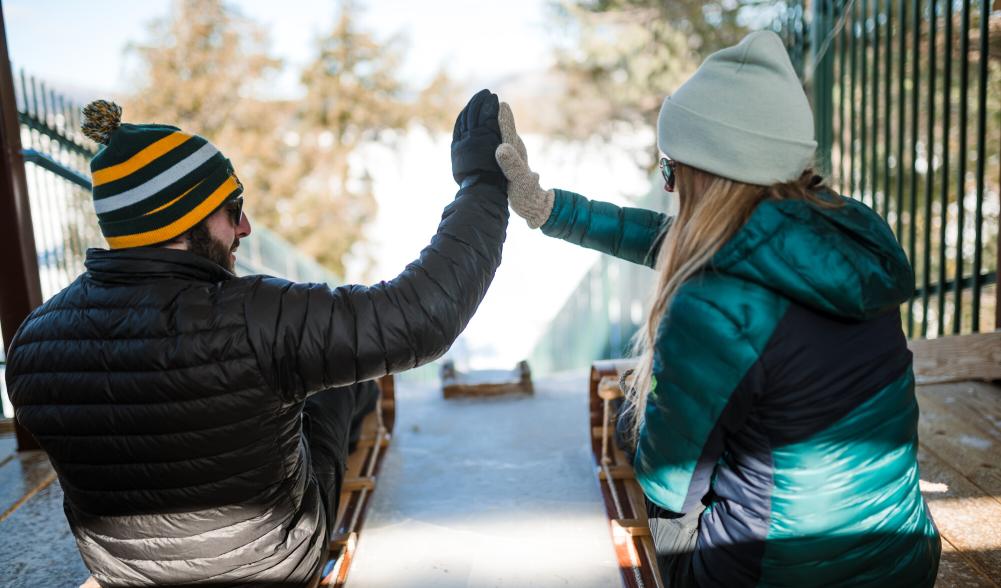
column 387, row 384
column 637, row 500
column 618, row 472
column 485, row 382
column 478, row 377
column 370, row 441
column 976, row 404
column 356, row 463
column 609, row 389
column 342, row 540
column 957, row 358
column 611, row 366
column 966, row 443
column 968, row 519
column 631, row 527
column 650, row 551
column 955, row 571
column 357, row 484
column 485, row 389
column 343, row 550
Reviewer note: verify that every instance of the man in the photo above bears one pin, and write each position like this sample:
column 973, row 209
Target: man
column 169, row 394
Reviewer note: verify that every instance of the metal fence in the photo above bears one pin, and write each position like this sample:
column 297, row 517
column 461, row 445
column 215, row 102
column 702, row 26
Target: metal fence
column 907, row 102
column 907, row 95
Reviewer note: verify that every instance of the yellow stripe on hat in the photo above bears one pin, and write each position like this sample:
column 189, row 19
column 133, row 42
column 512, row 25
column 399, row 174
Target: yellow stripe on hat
column 140, row 159
column 180, row 225
column 171, row 203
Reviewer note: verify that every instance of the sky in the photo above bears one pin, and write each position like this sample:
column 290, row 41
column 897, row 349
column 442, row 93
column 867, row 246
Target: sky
column 440, row 33
column 78, row 46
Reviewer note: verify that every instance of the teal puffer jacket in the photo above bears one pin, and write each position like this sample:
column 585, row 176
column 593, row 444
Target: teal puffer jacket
column 783, row 397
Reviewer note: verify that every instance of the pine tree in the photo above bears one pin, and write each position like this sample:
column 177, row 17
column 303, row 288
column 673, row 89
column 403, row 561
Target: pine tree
column 627, row 55
column 205, row 67
column 199, row 66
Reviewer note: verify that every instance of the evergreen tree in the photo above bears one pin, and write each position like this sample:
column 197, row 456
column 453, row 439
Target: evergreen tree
column 625, row 56
column 205, row 67
column 198, row 68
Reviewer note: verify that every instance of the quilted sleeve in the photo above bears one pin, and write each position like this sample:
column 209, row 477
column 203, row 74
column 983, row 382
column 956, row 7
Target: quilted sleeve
column 309, row 337
column 632, row 234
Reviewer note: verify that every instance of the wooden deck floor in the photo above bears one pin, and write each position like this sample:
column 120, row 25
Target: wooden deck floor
column 960, row 456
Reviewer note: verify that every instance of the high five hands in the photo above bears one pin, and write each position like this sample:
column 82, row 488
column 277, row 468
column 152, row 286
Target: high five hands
column 526, row 196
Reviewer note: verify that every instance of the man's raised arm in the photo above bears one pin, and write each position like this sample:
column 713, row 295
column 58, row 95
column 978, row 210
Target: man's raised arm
column 308, row 337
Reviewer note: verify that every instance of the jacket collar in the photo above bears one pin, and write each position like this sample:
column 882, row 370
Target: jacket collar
column 141, row 264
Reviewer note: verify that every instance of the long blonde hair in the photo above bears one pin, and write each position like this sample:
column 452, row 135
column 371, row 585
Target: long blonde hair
column 712, row 209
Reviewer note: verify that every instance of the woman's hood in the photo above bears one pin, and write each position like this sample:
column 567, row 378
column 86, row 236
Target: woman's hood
column 843, row 261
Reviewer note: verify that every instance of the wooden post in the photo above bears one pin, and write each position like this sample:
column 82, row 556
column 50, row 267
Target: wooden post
column 21, row 291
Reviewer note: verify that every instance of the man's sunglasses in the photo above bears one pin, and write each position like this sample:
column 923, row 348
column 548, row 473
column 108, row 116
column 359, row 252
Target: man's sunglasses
column 667, row 170
column 234, row 208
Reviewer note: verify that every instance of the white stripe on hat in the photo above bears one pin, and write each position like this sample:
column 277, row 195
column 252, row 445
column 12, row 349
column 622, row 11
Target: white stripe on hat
column 157, row 183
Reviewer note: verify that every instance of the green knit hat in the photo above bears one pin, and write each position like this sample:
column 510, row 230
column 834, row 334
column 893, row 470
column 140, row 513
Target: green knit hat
column 152, row 182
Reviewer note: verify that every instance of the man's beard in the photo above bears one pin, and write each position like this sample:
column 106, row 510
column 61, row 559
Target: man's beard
column 201, row 242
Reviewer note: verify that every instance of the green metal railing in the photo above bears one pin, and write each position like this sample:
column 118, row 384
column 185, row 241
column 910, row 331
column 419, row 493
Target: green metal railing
column 907, row 103
column 899, row 131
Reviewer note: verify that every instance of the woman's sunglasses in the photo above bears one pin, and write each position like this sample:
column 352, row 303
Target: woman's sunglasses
column 667, row 170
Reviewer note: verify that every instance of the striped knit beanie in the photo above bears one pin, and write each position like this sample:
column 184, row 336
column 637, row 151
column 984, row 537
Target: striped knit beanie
column 152, row 182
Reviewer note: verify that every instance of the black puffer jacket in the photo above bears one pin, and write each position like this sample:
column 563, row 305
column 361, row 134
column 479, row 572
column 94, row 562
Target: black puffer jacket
column 168, row 393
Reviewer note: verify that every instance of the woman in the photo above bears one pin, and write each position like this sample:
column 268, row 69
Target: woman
column 774, row 416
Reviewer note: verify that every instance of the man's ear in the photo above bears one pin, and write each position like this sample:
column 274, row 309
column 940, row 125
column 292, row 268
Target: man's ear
column 179, row 242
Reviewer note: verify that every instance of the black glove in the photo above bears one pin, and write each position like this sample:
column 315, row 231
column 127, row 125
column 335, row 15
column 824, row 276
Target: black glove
column 474, row 140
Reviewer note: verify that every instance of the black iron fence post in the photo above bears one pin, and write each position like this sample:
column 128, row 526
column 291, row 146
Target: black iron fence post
column 21, row 291
column 823, row 82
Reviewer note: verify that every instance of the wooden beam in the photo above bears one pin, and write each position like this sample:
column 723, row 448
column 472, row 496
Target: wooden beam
column 618, row 472
column 609, row 389
column 341, row 540
column 957, row 358
column 356, row 484
column 21, row 292
column 370, row 441
column 631, row 527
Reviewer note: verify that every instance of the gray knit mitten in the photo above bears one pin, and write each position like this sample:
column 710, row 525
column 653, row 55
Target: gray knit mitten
column 526, row 196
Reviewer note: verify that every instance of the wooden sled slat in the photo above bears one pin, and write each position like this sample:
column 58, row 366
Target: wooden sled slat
column 359, row 483
column 456, row 384
column 625, row 505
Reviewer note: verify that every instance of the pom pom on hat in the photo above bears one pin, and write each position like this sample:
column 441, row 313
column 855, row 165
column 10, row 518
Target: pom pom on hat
column 100, row 119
